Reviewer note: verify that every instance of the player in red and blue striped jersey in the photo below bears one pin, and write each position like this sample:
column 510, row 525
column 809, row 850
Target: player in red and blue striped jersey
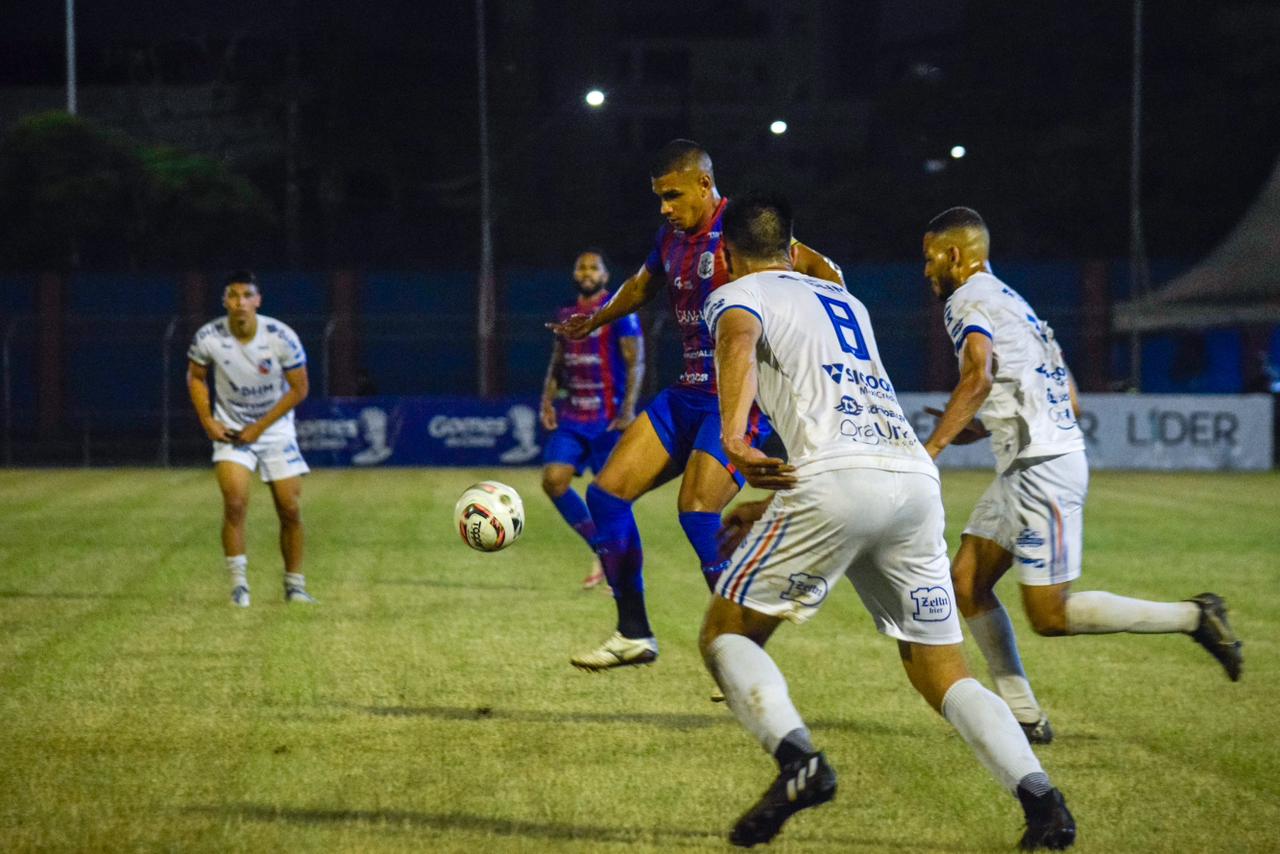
column 601, row 376
column 679, row 431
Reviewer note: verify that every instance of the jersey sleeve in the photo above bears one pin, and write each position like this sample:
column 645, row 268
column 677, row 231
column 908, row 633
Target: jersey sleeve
column 968, row 316
column 728, row 297
column 198, row 352
column 289, row 349
column 628, row 326
column 654, row 262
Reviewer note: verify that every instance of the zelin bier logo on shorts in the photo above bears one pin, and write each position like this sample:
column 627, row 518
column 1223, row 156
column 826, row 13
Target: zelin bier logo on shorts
column 706, row 265
column 805, row 589
column 933, row 604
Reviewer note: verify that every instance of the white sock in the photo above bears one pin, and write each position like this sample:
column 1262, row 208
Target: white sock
column 994, row 633
column 986, row 723
column 237, row 566
column 1096, row 612
column 755, row 689
column 295, row 579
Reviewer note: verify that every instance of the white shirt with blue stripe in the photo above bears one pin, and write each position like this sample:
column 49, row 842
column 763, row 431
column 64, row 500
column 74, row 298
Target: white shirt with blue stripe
column 249, row 378
column 820, row 378
column 1029, row 408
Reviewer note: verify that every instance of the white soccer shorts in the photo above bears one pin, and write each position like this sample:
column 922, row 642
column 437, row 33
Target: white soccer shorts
column 274, row 456
column 881, row 529
column 1035, row 511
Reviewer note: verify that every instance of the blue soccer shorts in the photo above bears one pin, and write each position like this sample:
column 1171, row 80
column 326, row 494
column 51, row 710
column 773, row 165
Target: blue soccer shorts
column 581, row 444
column 688, row 420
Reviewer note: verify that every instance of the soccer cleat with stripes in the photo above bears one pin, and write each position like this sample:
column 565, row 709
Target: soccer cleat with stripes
column 298, row 595
column 240, row 596
column 804, row 783
column 1049, row 822
column 1214, row 634
column 1039, row 732
column 618, row 651
column 595, row 577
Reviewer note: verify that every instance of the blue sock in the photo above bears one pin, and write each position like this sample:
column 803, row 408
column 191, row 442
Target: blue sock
column 701, row 530
column 618, row 545
column 575, row 512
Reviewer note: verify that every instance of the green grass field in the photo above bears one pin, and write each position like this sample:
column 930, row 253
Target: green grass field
column 427, row 703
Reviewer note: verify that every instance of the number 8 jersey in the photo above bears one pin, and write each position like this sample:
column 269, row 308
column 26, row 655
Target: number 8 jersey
column 821, row 381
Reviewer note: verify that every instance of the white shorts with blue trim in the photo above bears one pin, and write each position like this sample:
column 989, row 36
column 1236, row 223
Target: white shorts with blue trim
column 881, row 529
column 275, row 455
column 1035, row 511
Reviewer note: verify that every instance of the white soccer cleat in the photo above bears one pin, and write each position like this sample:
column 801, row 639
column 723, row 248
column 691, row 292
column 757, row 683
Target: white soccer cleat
column 618, row 651
column 595, row 577
column 298, row 596
column 240, row 596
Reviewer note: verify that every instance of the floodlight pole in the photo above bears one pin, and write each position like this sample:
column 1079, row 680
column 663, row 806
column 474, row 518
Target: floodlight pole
column 486, row 300
column 71, row 57
column 1139, row 272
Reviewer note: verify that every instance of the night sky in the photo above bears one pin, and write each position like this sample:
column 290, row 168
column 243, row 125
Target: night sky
column 875, row 95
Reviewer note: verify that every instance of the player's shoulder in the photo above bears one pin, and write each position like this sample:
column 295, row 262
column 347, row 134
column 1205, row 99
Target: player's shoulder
column 216, row 328
column 276, row 327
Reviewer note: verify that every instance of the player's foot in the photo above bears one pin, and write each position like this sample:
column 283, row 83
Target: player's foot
column 618, row 651
column 1214, row 634
column 595, row 577
column 240, row 596
column 1039, row 732
column 1049, row 822
column 298, row 596
column 802, row 784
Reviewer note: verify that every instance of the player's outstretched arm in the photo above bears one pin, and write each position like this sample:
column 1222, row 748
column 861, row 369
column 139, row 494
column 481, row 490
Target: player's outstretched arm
column 632, row 347
column 811, row 262
column 968, row 395
column 299, row 387
column 551, row 385
column 635, row 292
column 737, row 332
column 198, row 391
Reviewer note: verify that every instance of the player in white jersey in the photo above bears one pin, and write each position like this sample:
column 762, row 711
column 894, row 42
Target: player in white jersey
column 1012, row 375
column 859, row 499
column 260, row 375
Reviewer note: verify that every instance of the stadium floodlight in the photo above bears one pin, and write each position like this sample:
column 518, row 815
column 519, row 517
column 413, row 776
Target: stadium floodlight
column 958, row 151
column 595, row 98
column 779, row 127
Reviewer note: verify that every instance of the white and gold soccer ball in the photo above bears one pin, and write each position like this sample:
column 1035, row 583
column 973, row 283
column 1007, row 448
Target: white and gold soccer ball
column 490, row 516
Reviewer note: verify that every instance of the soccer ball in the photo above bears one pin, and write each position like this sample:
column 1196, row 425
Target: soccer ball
column 490, row 516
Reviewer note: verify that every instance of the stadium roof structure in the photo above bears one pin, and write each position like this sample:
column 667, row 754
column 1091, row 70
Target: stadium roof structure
column 1237, row 284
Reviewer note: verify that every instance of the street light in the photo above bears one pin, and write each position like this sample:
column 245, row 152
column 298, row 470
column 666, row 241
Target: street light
column 958, row 151
column 779, row 127
column 595, row 98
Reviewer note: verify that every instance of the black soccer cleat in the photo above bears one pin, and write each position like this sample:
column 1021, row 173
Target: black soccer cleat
column 1039, row 732
column 1049, row 822
column 1214, row 634
column 801, row 784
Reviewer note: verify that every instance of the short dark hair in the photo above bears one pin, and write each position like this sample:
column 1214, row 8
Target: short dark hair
column 758, row 224
column 595, row 250
column 957, row 217
column 240, row 277
column 678, row 155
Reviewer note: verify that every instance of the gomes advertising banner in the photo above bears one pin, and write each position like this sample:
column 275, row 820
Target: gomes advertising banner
column 1143, row 431
column 419, row 431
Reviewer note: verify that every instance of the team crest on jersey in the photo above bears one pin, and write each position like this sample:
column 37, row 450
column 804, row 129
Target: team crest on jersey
column 805, row 589
column 849, row 406
column 264, row 367
column 706, row 265
column 933, row 604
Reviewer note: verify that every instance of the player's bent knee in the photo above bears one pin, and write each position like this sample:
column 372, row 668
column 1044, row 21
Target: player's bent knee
column 554, row 484
column 1048, row 622
column 234, row 509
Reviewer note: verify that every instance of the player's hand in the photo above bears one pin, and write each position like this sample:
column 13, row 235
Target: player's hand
column 974, row 431
column 737, row 523
column 622, row 421
column 217, row 431
column 549, row 420
column 760, row 470
column 575, row 328
column 249, row 435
